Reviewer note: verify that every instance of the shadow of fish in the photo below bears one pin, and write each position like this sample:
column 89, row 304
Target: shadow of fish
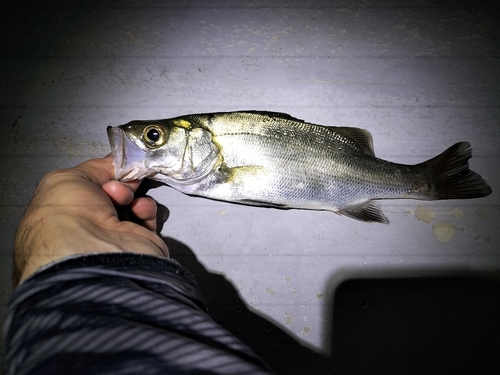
column 273, row 159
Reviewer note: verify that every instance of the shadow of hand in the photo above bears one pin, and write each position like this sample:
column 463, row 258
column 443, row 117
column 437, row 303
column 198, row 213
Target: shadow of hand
column 280, row 351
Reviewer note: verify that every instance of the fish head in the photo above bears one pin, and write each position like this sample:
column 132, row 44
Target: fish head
column 172, row 151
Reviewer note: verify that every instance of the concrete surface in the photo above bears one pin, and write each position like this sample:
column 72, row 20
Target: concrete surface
column 419, row 75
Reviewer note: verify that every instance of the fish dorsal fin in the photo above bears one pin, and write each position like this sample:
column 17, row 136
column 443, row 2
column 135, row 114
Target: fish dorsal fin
column 368, row 212
column 284, row 116
column 362, row 138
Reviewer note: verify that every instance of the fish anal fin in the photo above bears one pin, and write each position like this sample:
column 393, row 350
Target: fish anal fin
column 362, row 138
column 368, row 212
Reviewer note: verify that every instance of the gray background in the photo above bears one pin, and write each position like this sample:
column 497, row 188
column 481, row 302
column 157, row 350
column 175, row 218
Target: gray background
column 420, row 75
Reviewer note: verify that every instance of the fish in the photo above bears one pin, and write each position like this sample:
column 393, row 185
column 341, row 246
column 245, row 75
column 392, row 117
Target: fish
column 272, row 159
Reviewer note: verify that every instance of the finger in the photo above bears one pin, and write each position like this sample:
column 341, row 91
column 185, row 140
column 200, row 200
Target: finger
column 144, row 209
column 99, row 170
column 146, row 234
column 120, row 193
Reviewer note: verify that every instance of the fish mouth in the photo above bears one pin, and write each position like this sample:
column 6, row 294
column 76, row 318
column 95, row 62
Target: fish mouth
column 128, row 158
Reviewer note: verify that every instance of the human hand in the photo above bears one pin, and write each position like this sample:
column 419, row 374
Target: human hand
column 73, row 212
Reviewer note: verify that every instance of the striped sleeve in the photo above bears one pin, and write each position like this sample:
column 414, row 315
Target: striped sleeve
column 118, row 314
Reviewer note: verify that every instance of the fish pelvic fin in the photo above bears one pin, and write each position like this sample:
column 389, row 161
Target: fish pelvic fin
column 368, row 212
column 451, row 176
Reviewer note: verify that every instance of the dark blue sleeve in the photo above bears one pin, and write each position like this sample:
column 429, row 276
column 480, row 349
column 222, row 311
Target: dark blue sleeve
column 118, row 314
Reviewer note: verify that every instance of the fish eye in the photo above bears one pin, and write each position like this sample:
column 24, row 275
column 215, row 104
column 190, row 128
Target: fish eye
column 154, row 135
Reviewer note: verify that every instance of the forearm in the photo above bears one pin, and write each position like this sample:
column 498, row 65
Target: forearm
column 110, row 313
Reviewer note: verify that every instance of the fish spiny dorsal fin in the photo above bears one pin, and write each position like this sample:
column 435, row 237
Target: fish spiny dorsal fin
column 362, row 138
column 281, row 115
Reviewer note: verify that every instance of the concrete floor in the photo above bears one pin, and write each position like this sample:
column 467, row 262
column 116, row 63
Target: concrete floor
column 419, row 75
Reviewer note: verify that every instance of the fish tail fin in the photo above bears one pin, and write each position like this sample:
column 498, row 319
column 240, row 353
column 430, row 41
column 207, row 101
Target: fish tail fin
column 451, row 176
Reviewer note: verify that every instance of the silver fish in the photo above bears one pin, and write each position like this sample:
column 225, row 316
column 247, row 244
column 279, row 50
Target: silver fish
column 272, row 159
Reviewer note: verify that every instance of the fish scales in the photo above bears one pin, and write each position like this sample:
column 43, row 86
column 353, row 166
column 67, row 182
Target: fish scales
column 334, row 164
column 273, row 159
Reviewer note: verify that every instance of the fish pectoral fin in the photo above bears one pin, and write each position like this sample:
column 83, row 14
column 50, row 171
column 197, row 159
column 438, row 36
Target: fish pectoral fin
column 368, row 212
column 362, row 138
column 242, row 174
